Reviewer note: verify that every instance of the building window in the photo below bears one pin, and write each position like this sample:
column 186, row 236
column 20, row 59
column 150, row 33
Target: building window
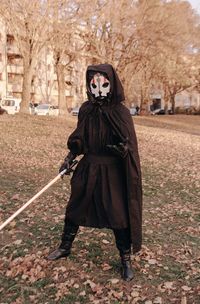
column 10, row 39
column 11, row 60
column 33, row 81
column 10, row 77
column 14, row 78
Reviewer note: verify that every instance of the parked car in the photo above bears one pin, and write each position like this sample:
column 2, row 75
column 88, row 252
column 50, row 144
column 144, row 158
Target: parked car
column 75, row 111
column 46, row 109
column 54, row 110
column 11, row 105
column 134, row 110
column 158, row 112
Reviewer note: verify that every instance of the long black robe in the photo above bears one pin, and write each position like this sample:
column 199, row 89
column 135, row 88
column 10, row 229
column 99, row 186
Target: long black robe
column 106, row 190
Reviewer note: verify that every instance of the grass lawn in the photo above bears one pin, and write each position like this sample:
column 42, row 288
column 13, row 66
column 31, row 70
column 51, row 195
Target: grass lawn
column 167, row 270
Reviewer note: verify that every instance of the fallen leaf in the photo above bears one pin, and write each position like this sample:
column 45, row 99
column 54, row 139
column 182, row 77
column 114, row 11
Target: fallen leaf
column 105, row 242
column 16, row 197
column 118, row 295
column 82, row 293
column 157, row 300
column 184, row 300
column 17, row 242
column 186, row 288
column 114, row 281
column 106, row 267
column 152, row 261
column 168, row 285
column 90, row 283
column 13, row 224
column 134, row 294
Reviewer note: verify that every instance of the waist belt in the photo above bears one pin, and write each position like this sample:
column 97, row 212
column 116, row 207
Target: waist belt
column 101, row 159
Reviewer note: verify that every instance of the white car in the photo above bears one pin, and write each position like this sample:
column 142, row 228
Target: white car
column 133, row 111
column 75, row 111
column 46, row 109
column 11, row 105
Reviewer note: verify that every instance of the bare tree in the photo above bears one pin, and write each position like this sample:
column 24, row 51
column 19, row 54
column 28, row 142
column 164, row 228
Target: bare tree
column 145, row 41
column 44, row 72
column 137, row 37
column 66, row 43
column 27, row 21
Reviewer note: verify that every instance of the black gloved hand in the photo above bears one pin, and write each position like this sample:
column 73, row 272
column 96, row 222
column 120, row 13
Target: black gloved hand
column 67, row 163
column 121, row 149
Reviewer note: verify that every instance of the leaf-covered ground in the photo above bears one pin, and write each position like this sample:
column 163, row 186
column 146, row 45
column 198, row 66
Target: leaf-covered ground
column 167, row 270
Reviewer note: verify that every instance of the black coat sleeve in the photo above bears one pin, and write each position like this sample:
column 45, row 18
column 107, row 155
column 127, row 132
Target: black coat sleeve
column 76, row 141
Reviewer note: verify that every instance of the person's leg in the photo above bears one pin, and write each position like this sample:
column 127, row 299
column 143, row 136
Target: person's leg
column 123, row 243
column 69, row 233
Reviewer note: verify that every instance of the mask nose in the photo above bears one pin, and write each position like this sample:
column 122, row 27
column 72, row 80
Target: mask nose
column 100, row 93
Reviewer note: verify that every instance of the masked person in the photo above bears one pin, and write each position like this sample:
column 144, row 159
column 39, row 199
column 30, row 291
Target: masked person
column 106, row 187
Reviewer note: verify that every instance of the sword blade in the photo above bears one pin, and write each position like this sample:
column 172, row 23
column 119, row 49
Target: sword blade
column 36, row 196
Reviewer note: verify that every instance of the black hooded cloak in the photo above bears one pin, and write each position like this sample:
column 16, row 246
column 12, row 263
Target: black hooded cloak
column 106, row 189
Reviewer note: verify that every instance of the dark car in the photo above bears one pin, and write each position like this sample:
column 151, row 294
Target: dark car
column 158, row 112
column 3, row 111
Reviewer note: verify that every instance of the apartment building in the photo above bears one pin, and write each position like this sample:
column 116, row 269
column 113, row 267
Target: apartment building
column 3, row 62
column 44, row 83
column 187, row 99
column 11, row 65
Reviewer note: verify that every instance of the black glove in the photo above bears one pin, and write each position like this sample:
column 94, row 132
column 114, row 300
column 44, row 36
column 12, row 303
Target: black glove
column 67, row 163
column 121, row 149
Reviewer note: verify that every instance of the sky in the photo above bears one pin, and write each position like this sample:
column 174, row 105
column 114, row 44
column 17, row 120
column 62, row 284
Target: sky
column 195, row 4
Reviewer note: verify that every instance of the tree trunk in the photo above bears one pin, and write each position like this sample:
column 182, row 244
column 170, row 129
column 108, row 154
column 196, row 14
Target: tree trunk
column 144, row 102
column 62, row 103
column 144, row 106
column 26, row 88
column 172, row 100
column 166, row 99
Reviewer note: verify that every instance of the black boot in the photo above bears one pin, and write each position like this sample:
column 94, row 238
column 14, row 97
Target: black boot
column 123, row 243
column 68, row 236
column 127, row 270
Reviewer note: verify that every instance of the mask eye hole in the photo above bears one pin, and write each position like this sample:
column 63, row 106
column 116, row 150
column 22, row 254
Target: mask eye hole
column 94, row 86
column 105, row 85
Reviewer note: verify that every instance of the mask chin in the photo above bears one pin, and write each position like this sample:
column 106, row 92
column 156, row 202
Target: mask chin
column 100, row 100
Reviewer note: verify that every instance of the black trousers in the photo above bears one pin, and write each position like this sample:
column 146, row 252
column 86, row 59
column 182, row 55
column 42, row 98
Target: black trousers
column 122, row 237
column 123, row 240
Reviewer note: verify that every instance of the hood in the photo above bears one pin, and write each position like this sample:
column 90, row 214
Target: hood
column 117, row 90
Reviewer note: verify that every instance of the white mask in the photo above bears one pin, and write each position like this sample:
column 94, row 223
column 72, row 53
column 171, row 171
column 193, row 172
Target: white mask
column 100, row 86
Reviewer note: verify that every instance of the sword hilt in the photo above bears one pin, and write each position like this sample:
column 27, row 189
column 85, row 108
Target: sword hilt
column 68, row 171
